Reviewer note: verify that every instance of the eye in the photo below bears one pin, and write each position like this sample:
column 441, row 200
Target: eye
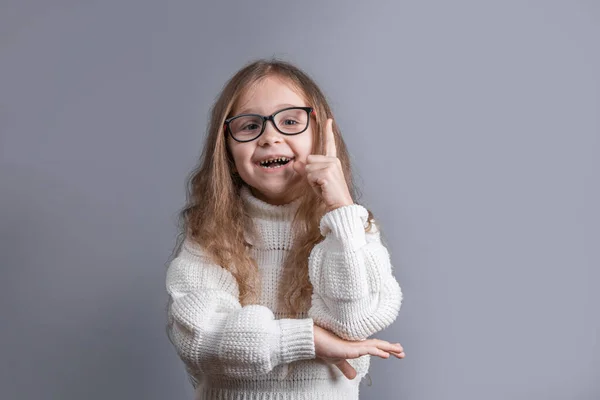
column 250, row 127
column 289, row 122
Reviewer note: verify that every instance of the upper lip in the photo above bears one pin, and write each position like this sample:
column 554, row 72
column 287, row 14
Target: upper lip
column 259, row 160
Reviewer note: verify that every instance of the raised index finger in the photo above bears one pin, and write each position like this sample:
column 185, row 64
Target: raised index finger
column 330, row 149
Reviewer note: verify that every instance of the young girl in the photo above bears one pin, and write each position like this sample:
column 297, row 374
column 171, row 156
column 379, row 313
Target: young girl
column 279, row 277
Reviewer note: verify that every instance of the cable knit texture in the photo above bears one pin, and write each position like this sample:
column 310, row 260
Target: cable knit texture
column 242, row 353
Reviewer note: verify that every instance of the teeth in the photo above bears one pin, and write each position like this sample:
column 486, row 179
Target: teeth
column 280, row 159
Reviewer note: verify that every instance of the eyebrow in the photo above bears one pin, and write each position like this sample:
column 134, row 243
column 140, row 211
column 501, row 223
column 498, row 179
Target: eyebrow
column 277, row 108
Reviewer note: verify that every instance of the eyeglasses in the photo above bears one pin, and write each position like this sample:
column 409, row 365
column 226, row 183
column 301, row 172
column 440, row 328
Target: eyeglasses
column 248, row 127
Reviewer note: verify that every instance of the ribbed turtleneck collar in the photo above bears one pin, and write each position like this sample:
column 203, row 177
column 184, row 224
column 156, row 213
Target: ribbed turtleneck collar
column 272, row 222
column 258, row 208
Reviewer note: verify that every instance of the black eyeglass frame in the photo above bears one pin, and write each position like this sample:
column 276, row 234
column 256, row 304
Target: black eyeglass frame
column 266, row 118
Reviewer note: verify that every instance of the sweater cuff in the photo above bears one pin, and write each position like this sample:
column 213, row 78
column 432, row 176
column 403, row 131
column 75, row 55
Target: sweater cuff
column 347, row 224
column 297, row 341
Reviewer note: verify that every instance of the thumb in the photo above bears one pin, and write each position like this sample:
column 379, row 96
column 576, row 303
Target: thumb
column 346, row 369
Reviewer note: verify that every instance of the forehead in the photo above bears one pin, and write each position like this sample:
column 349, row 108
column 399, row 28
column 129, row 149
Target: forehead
column 269, row 95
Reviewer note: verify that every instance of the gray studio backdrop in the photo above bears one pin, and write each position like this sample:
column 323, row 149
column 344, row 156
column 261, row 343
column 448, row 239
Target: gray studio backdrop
column 474, row 131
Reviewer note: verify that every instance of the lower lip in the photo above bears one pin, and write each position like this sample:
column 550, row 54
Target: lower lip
column 276, row 169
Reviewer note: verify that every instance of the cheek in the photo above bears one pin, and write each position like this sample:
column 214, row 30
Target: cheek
column 307, row 142
column 240, row 154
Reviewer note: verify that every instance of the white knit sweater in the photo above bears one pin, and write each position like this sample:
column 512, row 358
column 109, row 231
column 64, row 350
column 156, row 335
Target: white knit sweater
column 234, row 352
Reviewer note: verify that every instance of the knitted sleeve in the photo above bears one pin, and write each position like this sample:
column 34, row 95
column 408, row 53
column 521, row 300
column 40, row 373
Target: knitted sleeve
column 214, row 334
column 354, row 292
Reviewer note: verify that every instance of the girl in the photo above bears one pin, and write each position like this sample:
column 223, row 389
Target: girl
column 279, row 277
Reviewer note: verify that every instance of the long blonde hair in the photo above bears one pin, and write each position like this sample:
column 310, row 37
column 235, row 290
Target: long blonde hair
column 214, row 215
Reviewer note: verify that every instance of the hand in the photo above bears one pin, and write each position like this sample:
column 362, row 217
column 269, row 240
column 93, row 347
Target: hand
column 325, row 174
column 334, row 350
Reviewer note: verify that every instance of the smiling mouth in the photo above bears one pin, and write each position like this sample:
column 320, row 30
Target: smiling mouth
column 276, row 163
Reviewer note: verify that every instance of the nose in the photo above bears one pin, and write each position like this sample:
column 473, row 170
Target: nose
column 270, row 134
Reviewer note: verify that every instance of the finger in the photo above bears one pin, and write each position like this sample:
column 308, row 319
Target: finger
column 315, row 179
column 373, row 351
column 330, row 149
column 383, row 354
column 380, row 353
column 316, row 158
column 387, row 346
column 394, row 347
column 299, row 167
column 316, row 167
column 346, row 369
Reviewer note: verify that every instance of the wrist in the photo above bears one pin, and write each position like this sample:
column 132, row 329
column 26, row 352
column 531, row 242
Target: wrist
column 336, row 206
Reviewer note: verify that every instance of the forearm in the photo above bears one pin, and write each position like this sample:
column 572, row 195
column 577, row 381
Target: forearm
column 213, row 333
column 354, row 292
column 242, row 344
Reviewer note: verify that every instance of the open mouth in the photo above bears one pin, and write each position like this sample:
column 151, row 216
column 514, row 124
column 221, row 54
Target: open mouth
column 275, row 162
